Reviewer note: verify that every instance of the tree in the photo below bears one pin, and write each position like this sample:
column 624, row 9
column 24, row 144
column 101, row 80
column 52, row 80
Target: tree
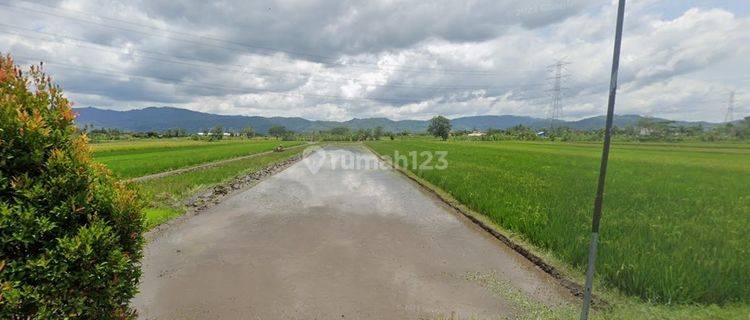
column 277, row 131
column 288, row 135
column 363, row 134
column 378, row 133
column 340, row 131
column 248, row 132
column 175, row 132
column 742, row 129
column 70, row 233
column 217, row 133
column 439, row 127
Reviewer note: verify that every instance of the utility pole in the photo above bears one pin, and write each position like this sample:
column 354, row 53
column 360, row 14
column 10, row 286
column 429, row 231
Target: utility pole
column 603, row 167
column 555, row 110
column 729, row 117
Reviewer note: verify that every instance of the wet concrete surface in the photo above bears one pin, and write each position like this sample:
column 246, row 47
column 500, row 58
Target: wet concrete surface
column 324, row 239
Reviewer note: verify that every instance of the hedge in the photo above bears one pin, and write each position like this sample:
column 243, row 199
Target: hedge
column 70, row 234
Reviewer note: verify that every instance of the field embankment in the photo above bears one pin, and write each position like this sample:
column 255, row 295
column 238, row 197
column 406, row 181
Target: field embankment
column 675, row 219
column 166, row 195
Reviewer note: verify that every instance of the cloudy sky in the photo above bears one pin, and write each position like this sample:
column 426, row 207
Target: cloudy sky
column 336, row 60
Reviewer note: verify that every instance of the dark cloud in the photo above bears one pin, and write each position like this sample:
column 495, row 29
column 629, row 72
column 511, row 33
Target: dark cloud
column 399, row 59
column 123, row 89
column 320, row 30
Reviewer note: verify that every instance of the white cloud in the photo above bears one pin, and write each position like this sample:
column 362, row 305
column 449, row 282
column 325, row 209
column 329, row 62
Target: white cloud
column 402, row 60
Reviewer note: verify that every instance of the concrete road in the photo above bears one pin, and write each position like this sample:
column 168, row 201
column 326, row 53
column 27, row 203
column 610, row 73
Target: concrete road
column 323, row 240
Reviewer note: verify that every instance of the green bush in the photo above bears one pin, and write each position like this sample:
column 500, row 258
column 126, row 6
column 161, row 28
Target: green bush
column 70, row 234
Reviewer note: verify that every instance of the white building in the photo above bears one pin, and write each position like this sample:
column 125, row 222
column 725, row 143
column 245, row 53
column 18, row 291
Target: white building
column 226, row 134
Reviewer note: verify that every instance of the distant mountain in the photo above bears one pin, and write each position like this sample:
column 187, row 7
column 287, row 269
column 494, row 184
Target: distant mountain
column 625, row 121
column 163, row 118
column 159, row 119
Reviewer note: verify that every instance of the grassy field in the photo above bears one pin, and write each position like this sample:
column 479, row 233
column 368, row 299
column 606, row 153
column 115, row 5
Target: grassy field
column 165, row 195
column 675, row 226
column 129, row 159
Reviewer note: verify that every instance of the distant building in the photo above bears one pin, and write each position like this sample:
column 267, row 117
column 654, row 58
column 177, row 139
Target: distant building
column 477, row 134
column 226, row 134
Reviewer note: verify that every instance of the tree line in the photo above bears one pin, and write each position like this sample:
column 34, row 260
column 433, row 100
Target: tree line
column 645, row 130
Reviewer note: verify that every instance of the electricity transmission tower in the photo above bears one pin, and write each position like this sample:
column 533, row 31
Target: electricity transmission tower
column 556, row 109
column 729, row 117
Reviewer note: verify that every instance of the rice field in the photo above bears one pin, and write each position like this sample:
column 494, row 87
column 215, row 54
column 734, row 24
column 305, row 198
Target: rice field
column 129, row 159
column 165, row 195
column 675, row 226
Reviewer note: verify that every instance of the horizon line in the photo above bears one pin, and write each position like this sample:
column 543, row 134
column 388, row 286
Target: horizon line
column 387, row 118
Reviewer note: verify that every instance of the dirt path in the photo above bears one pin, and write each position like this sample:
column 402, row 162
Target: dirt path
column 336, row 243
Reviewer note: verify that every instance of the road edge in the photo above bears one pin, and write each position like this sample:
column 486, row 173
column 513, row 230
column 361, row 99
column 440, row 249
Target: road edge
column 496, row 231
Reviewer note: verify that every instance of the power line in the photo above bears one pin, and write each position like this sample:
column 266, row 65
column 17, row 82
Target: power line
column 556, row 100
column 402, row 85
column 234, row 90
column 331, row 59
column 178, row 82
column 171, row 59
column 115, row 74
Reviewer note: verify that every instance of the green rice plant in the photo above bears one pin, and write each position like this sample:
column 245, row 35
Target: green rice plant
column 155, row 216
column 675, row 224
column 135, row 159
column 144, row 143
column 165, row 195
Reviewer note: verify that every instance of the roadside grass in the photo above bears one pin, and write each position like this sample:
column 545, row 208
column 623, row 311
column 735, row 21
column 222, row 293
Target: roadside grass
column 132, row 159
column 674, row 230
column 622, row 308
column 165, row 195
column 632, row 309
column 155, row 216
